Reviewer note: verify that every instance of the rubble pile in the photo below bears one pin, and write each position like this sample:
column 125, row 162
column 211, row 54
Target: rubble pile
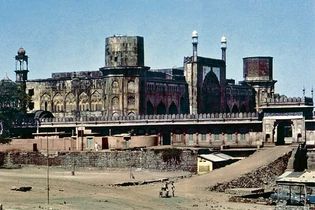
column 262, row 177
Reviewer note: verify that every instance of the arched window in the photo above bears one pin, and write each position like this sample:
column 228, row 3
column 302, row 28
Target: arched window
column 84, row 102
column 70, row 103
column 45, row 102
column 115, row 102
column 58, row 103
column 96, row 102
column 115, row 87
column 131, row 102
column 131, row 86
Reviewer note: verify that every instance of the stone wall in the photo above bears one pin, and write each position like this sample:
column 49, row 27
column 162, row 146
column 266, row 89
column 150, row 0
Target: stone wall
column 162, row 159
column 259, row 178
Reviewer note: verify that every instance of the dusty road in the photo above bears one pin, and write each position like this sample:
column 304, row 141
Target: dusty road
column 92, row 189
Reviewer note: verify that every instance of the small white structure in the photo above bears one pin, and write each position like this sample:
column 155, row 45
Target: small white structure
column 209, row 162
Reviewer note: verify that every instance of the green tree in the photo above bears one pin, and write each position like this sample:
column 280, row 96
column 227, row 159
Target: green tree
column 13, row 104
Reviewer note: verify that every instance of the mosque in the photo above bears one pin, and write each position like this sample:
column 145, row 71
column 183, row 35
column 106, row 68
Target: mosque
column 125, row 86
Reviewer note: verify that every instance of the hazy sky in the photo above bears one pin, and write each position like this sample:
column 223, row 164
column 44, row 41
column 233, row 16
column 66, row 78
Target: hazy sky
column 69, row 35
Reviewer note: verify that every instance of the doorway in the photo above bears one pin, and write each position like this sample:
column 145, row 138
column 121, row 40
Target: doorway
column 284, row 131
column 104, row 143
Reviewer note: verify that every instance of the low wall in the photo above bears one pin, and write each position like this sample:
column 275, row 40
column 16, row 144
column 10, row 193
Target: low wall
column 157, row 159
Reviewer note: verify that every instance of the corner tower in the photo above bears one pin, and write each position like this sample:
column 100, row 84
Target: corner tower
column 124, row 76
column 21, row 66
column 258, row 73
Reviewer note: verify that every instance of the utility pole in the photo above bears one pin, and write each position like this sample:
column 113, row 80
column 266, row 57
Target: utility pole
column 47, row 170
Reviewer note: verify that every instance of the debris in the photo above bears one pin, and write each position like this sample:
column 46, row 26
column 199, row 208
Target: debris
column 22, row 189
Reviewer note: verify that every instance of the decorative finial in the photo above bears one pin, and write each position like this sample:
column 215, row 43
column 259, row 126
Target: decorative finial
column 194, row 36
column 303, row 91
column 312, row 92
column 223, row 42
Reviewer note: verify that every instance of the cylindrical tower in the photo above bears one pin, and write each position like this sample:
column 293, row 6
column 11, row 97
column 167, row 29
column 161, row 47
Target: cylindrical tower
column 124, row 51
column 257, row 68
column 258, row 74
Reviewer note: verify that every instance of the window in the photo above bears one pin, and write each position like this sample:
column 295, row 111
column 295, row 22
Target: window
column 31, row 105
column 31, row 92
column 203, row 137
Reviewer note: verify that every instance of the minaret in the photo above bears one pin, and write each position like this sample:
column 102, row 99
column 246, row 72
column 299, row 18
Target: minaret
column 223, row 48
column 191, row 75
column 194, row 37
column 21, row 66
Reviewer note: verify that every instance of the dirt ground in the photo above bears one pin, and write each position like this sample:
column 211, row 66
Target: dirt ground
column 93, row 188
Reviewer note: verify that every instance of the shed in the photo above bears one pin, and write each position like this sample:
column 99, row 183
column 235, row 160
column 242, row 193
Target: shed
column 209, row 162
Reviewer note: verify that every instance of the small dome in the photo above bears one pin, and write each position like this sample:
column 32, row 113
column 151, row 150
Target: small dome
column 223, row 39
column 21, row 51
column 194, row 34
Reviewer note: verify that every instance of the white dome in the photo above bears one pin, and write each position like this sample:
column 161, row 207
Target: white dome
column 223, row 39
column 194, row 34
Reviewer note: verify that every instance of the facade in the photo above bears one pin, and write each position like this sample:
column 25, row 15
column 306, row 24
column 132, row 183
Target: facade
column 126, row 87
column 208, row 88
column 193, row 105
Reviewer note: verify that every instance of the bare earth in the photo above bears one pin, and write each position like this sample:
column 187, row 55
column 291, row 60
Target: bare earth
column 92, row 188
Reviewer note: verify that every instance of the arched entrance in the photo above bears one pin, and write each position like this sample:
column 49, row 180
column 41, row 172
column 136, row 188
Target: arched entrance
column 161, row 109
column 284, row 131
column 150, row 109
column 210, row 94
column 172, row 109
column 235, row 109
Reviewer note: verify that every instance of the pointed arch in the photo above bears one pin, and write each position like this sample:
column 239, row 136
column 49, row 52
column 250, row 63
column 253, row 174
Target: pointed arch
column 115, row 86
column 96, row 101
column 131, row 86
column 150, row 109
column 243, row 108
column 227, row 109
column 131, row 101
column 235, row 109
column 84, row 102
column 161, row 109
column 58, row 103
column 70, row 104
column 115, row 102
column 173, row 108
column 183, row 105
column 210, row 94
column 45, row 102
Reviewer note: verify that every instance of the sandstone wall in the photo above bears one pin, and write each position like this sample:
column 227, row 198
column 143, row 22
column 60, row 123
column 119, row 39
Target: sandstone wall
column 163, row 159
